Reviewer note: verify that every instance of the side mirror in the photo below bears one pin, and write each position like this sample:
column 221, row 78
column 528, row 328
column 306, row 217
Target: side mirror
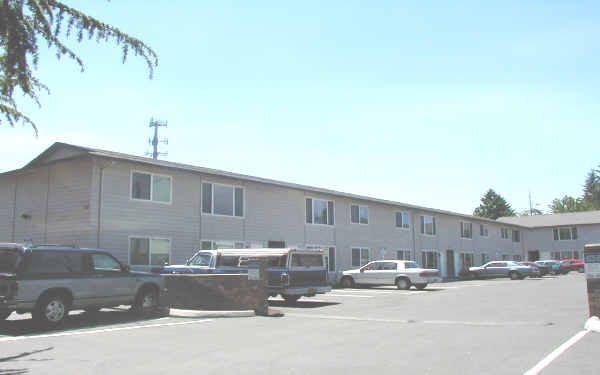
column 125, row 268
column 362, row 269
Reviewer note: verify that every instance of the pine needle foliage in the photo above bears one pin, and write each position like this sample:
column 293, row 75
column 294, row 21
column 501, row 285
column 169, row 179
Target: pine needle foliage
column 26, row 23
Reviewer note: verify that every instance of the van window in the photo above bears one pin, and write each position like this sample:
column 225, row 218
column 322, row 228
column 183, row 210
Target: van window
column 307, row 260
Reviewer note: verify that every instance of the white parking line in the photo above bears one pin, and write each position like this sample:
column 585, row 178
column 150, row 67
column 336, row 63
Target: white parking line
column 95, row 331
column 346, row 295
column 407, row 321
column 556, row 353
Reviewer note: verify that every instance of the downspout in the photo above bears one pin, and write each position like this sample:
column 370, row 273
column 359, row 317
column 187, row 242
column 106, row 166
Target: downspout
column 15, row 208
column 47, row 205
column 99, row 206
column 414, row 240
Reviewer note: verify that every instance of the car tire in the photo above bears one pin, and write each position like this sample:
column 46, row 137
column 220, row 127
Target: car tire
column 4, row 314
column 146, row 302
column 421, row 286
column 402, row 283
column 51, row 310
column 291, row 298
column 347, row 282
column 514, row 275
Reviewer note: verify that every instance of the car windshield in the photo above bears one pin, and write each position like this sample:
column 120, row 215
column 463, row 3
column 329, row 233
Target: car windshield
column 9, row 259
column 411, row 265
column 200, row 260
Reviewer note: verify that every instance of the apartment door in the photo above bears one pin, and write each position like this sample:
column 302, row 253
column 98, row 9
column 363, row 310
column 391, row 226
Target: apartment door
column 450, row 263
column 534, row 255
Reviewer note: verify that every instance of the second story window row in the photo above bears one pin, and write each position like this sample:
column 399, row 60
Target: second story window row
column 150, row 187
column 504, row 233
column 466, row 230
column 223, row 200
column 319, row 211
column 516, row 236
column 428, row 225
column 483, row 230
column 565, row 234
column 402, row 220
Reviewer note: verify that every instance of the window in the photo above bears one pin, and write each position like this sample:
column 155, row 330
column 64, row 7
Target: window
column 516, row 236
column 150, row 187
column 201, row 259
column 360, row 256
column 504, row 233
column 389, row 266
column 565, row 234
column 319, row 211
column 466, row 260
column 54, row 262
column 359, row 214
column 484, row 258
column 402, row 220
column 431, row 259
column 331, row 259
column 505, row 257
column 223, row 200
column 466, row 230
column 403, row 255
column 483, row 230
column 144, row 251
column 307, row 260
column 517, row 258
column 411, row 265
column 555, row 255
column 103, row 263
column 428, row 225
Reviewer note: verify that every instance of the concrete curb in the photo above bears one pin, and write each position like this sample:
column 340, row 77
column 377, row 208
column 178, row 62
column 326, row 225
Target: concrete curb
column 593, row 324
column 179, row 313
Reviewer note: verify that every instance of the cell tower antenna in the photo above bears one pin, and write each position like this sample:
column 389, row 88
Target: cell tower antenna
column 155, row 141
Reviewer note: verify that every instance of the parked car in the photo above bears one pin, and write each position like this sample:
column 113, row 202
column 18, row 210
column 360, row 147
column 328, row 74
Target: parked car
column 543, row 270
column 48, row 281
column 511, row 269
column 553, row 266
column 402, row 273
column 568, row 265
column 293, row 273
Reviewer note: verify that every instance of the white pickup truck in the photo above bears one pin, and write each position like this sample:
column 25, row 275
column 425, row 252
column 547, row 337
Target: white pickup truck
column 402, row 273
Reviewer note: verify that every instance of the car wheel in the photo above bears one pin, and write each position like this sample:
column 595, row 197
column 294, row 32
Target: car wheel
column 421, row 286
column 347, row 282
column 146, row 303
column 514, row 275
column 51, row 310
column 4, row 314
column 291, row 298
column 402, row 283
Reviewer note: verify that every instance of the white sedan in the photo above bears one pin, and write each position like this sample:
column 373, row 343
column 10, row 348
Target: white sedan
column 402, row 273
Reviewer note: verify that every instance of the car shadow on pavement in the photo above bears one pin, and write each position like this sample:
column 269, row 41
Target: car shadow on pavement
column 18, row 371
column 303, row 304
column 76, row 320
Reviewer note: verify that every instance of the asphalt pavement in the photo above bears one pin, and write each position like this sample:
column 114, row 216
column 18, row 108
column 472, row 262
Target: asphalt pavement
column 496, row 326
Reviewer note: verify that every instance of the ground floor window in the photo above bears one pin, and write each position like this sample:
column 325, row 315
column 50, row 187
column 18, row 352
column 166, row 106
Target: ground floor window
column 360, row 256
column 149, row 251
column 484, row 258
column 565, row 254
column 430, row 259
column 505, row 257
column 403, row 255
column 466, row 261
column 517, row 258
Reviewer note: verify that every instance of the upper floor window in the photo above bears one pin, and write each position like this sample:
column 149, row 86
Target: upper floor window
column 402, row 220
column 466, row 229
column 516, row 236
column 567, row 233
column 219, row 199
column 319, row 211
column 504, row 233
column 151, row 187
column 483, row 230
column 428, row 225
column 359, row 214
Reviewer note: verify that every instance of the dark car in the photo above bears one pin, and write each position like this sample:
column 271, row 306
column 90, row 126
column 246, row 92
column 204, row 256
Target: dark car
column 553, row 266
column 511, row 269
column 48, row 281
column 544, row 270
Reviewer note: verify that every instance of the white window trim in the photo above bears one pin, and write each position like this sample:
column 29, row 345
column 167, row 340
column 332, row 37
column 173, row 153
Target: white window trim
column 131, row 198
column 402, row 227
column 313, row 211
column 425, row 234
column 368, row 214
column 508, row 233
column 461, row 232
column 512, row 235
column 570, row 233
column 149, row 238
column 212, row 200
column 360, row 255
column 487, row 231
column 409, row 251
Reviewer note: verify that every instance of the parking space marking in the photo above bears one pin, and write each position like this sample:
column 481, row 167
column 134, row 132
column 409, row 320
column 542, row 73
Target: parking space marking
column 409, row 321
column 556, row 353
column 347, row 295
column 95, row 331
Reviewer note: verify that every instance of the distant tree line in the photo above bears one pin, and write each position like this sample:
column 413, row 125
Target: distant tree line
column 589, row 200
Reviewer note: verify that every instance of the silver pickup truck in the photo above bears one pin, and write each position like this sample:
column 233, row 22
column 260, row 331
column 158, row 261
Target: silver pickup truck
column 48, row 281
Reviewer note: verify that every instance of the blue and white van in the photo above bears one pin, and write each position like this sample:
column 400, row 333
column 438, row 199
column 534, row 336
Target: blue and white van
column 293, row 273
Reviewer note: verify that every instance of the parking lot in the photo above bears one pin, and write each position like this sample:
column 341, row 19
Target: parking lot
column 467, row 327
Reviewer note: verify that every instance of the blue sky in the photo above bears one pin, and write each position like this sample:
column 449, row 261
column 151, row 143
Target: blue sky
column 428, row 104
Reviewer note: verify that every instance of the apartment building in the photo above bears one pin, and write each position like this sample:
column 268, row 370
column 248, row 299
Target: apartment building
column 150, row 212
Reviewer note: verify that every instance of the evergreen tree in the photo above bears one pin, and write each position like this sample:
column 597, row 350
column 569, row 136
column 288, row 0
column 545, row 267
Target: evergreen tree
column 591, row 191
column 23, row 23
column 567, row 204
column 493, row 206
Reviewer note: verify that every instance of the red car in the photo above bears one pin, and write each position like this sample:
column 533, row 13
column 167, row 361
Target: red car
column 567, row 265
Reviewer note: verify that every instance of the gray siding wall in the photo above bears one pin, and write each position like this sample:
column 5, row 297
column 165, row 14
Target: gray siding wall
column 542, row 239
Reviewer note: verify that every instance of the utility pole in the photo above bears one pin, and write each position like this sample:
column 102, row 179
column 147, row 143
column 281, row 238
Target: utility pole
column 154, row 141
column 530, row 206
